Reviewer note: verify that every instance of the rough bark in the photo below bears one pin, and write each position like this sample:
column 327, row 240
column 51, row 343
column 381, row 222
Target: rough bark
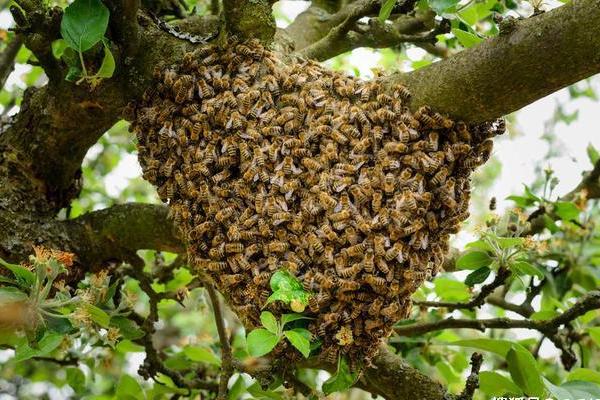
column 529, row 60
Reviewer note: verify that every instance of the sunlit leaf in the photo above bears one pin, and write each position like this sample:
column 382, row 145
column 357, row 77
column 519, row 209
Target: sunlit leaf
column 97, row 315
column 269, row 321
column 76, row 379
column 566, row 210
column 84, row 23
column 300, row 339
column 473, row 260
column 498, row 346
column 202, row 354
column 386, row 10
column 451, row 290
column 584, row 374
column 467, row 39
column 129, row 388
column 592, row 153
column 260, row 342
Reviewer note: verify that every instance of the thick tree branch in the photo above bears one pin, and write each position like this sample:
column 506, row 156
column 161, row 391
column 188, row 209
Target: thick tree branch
column 501, row 75
column 248, row 19
column 65, row 119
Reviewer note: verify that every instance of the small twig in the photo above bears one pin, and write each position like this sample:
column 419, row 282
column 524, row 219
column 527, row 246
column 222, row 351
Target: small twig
column 524, row 309
column 7, row 58
column 63, row 362
column 590, row 301
column 226, row 356
column 473, row 379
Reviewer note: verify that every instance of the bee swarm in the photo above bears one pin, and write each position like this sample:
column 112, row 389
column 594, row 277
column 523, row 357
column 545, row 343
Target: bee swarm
column 270, row 166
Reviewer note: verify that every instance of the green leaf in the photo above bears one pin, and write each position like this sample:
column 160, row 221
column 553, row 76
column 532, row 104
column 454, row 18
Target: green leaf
column 474, row 260
column 595, row 334
column 524, row 371
column 574, row 390
column 107, row 68
column 84, row 23
column 128, row 387
column 467, row 39
column 287, row 318
column 525, row 268
column 342, row 380
column 584, row 374
column 269, row 321
column 261, row 342
column 283, row 280
column 494, row 384
column 300, row 339
column 9, row 294
column 447, row 372
column 543, row 315
column 58, row 48
column 477, row 276
column 257, row 391
column 202, row 354
column 497, row 346
column 97, row 315
column 442, row 6
column 238, row 388
column 128, row 328
column 46, row 345
column 592, row 153
column 508, row 242
column 451, row 290
column 25, row 278
column 76, row 379
column 480, row 245
column 71, row 59
column 127, row 346
column 386, row 10
column 288, row 295
column 566, row 210
column 521, row 201
column 550, row 224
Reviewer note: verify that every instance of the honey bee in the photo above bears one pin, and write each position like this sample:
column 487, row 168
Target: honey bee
column 311, row 164
column 394, row 252
column 314, row 243
column 340, row 216
column 327, row 201
column 376, row 201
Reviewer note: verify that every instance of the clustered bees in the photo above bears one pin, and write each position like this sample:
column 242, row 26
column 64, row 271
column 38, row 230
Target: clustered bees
column 269, row 166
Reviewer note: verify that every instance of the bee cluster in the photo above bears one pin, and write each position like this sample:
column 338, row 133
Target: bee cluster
column 270, row 166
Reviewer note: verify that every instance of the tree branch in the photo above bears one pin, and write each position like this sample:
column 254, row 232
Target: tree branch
column 541, row 55
column 249, row 19
column 226, row 356
column 590, row 301
column 7, row 58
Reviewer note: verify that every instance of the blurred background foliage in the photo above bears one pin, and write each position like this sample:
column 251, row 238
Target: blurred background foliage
column 101, row 361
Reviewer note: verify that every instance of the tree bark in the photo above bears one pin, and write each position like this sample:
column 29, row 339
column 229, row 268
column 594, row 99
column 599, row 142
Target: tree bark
column 535, row 58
